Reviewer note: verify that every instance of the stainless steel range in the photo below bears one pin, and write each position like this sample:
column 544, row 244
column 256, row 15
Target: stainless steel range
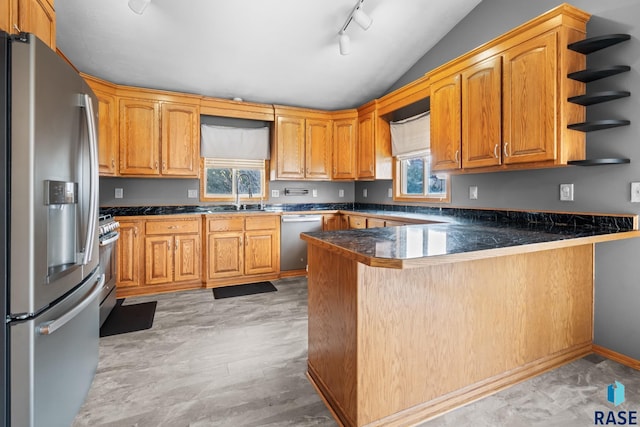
column 108, row 236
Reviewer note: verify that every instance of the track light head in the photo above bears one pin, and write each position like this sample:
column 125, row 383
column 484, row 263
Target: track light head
column 138, row 6
column 345, row 44
column 362, row 19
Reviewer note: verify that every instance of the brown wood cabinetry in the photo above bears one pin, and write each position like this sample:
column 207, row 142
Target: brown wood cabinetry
column 374, row 144
column 376, row 222
column 302, row 148
column 128, row 257
column 107, row 125
column 30, row 16
column 331, row 222
column 158, row 137
column 241, row 249
column 172, row 250
column 357, row 221
column 345, row 126
column 504, row 105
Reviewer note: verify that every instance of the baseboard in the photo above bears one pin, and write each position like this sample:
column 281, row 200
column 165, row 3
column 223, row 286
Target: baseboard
column 617, row 357
column 293, row 273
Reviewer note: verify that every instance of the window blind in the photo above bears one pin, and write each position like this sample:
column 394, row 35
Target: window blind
column 410, row 135
column 223, row 142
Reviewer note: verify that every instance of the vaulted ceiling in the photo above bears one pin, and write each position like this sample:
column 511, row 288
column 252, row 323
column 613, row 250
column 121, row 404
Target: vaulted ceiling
column 269, row 51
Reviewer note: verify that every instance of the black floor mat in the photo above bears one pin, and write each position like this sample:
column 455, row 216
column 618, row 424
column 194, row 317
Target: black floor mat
column 129, row 318
column 240, row 290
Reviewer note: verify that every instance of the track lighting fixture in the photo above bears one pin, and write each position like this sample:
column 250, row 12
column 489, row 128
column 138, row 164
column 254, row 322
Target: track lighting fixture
column 138, row 6
column 361, row 18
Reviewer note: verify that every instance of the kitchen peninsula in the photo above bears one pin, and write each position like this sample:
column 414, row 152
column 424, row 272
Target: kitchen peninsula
column 406, row 323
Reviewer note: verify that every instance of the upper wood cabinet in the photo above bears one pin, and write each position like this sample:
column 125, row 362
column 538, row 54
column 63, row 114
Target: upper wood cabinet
column 158, row 137
column 108, row 152
column 344, row 145
column 302, row 144
column 374, row 144
column 504, row 105
column 30, row 16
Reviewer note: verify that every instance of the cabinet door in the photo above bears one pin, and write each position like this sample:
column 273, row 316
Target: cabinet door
column 139, row 137
column 331, row 222
column 482, row 114
column 5, row 16
column 290, row 134
column 187, row 257
column 344, row 149
column 180, row 139
column 158, row 259
column 529, row 117
column 39, row 18
column 225, row 255
column 446, row 133
column 356, row 221
column 128, row 258
column 107, row 133
column 366, row 146
column 261, row 251
column 318, row 149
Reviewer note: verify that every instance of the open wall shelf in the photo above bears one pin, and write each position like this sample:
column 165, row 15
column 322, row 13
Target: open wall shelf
column 598, row 125
column 586, row 47
column 593, row 74
column 598, row 97
column 594, row 44
column 598, row 162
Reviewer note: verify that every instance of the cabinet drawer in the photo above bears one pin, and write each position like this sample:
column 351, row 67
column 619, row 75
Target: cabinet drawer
column 357, row 222
column 172, row 227
column 262, row 222
column 225, row 224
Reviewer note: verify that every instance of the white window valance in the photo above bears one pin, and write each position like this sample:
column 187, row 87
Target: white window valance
column 223, row 142
column 410, row 135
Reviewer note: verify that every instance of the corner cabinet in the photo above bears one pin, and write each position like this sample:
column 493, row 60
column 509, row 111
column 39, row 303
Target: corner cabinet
column 504, row 105
column 302, row 144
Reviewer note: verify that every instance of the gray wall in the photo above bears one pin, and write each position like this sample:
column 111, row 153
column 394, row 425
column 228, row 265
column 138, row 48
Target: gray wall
column 174, row 192
column 597, row 189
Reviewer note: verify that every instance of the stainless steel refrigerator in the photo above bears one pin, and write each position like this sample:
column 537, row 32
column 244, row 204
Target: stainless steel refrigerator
column 49, row 272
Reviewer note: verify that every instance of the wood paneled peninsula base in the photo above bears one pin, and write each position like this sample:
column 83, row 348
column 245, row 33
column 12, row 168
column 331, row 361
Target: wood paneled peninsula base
column 406, row 323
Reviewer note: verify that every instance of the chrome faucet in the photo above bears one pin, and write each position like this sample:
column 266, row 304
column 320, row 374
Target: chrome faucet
column 247, row 183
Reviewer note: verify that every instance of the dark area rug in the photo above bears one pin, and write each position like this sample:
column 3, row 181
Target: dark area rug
column 240, row 290
column 129, row 318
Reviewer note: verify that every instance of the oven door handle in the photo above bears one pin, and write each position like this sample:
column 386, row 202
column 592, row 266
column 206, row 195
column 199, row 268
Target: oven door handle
column 47, row 328
column 110, row 240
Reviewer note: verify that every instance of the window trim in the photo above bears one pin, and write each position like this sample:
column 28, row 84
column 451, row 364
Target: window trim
column 233, row 163
column 398, row 184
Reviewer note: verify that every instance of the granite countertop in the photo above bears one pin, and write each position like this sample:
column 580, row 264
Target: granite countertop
column 420, row 244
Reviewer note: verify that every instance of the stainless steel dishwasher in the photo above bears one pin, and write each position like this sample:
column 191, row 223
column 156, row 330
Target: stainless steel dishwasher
column 293, row 250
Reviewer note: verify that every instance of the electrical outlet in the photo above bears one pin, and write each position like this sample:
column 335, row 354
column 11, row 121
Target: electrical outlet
column 364, row 192
column 192, row 194
column 635, row 192
column 390, row 192
column 314, row 192
column 566, row 192
column 119, row 194
column 473, row 192
column 275, row 193
column 341, row 193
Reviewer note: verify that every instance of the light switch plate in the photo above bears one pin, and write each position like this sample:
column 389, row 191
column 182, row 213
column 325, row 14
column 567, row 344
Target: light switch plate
column 635, row 192
column 341, row 193
column 566, row 192
column 390, row 192
column 119, row 193
column 192, row 194
column 473, row 192
column 275, row 193
column 314, row 192
column 364, row 192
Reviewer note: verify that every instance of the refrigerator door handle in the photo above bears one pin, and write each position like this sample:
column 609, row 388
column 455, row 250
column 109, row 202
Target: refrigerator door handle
column 93, row 182
column 47, row 328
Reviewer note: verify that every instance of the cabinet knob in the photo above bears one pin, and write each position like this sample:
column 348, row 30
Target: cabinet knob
column 457, row 156
column 495, row 151
column 113, row 163
column 135, row 231
column 335, row 171
column 156, row 164
column 164, row 166
column 506, row 153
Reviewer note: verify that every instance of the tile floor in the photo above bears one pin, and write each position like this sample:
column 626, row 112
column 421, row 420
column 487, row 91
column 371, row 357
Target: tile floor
column 241, row 362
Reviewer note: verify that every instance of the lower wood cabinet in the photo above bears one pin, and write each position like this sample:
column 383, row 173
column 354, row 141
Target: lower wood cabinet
column 128, row 253
column 242, row 248
column 332, row 222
